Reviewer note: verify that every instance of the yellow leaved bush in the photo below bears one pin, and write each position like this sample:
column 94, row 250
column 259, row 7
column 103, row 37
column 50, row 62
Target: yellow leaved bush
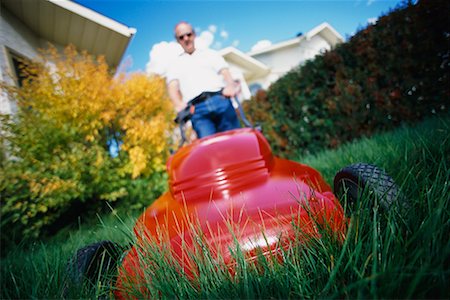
column 81, row 134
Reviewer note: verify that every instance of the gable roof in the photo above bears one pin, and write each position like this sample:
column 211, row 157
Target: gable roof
column 327, row 32
column 65, row 22
column 252, row 67
column 324, row 30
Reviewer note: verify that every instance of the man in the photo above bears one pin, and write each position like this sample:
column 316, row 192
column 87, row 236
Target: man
column 201, row 80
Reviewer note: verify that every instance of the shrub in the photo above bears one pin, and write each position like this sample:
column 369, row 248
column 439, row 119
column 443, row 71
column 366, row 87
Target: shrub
column 394, row 71
column 257, row 110
column 80, row 138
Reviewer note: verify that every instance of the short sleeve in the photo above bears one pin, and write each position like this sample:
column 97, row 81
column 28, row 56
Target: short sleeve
column 218, row 61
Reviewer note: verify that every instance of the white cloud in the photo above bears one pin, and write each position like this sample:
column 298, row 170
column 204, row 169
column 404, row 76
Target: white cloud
column 235, row 43
column 204, row 40
column 372, row 20
column 161, row 55
column 369, row 2
column 261, row 45
column 212, row 28
column 224, row 34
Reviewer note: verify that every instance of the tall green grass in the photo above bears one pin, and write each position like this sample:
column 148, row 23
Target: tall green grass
column 38, row 270
column 386, row 254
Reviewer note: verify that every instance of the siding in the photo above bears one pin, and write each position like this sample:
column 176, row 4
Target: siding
column 282, row 60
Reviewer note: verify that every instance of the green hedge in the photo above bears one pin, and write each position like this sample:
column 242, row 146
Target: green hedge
column 394, row 71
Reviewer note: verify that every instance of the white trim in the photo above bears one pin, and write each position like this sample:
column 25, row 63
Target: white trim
column 7, row 75
column 95, row 17
column 244, row 57
column 315, row 31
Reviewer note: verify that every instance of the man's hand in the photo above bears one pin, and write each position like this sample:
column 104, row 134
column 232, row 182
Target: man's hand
column 183, row 115
column 229, row 90
column 232, row 88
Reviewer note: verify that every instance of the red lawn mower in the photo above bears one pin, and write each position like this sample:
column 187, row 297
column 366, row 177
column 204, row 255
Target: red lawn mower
column 238, row 194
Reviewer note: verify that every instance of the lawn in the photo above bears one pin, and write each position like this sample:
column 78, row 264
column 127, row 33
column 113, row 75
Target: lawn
column 389, row 254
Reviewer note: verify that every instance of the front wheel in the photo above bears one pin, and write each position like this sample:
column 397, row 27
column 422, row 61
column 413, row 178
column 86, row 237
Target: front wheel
column 351, row 181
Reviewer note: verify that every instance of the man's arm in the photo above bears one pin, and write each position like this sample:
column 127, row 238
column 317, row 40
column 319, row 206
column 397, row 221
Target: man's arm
column 173, row 89
column 230, row 87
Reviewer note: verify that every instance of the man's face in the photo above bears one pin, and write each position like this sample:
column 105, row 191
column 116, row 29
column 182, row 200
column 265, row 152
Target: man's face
column 185, row 36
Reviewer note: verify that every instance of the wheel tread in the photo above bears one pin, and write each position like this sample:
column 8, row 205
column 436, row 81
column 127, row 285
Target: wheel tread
column 373, row 177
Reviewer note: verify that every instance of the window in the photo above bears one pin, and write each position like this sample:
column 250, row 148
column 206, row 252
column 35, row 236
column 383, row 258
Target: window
column 254, row 88
column 18, row 63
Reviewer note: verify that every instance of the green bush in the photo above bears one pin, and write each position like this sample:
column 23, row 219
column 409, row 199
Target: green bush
column 257, row 110
column 394, row 71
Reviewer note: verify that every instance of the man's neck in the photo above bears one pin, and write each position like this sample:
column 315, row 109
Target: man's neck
column 193, row 51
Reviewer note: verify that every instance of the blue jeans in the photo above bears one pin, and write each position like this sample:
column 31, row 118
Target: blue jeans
column 216, row 114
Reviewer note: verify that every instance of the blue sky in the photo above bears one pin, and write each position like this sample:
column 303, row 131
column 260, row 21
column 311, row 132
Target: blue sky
column 232, row 23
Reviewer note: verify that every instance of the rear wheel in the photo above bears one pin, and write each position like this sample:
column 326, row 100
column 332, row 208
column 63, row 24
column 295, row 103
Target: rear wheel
column 352, row 181
column 94, row 263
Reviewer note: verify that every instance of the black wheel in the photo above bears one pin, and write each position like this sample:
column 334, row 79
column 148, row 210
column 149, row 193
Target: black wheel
column 94, row 262
column 351, row 181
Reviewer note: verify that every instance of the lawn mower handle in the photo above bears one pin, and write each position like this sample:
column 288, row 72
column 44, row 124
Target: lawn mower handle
column 244, row 119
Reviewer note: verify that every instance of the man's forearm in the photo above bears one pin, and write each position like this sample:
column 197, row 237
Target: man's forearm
column 230, row 88
column 177, row 101
column 175, row 96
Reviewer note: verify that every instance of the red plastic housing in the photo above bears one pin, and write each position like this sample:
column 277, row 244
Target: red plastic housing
column 233, row 190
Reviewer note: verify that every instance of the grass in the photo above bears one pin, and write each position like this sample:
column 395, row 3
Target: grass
column 385, row 254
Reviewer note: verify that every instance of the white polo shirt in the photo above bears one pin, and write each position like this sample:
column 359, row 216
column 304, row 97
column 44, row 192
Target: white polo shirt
column 197, row 72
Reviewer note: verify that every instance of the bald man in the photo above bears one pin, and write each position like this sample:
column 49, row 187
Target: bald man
column 200, row 79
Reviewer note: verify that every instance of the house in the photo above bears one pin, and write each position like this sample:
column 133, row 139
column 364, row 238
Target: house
column 27, row 25
column 259, row 68
column 244, row 69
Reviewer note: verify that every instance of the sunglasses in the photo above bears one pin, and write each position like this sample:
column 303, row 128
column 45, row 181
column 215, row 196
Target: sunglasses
column 181, row 37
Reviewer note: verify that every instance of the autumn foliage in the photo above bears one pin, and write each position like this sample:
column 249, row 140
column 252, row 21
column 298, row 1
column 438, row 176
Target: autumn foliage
column 81, row 137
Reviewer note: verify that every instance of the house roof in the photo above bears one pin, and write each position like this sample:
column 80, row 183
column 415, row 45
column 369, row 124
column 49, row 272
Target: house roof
column 252, row 67
column 65, row 22
column 325, row 30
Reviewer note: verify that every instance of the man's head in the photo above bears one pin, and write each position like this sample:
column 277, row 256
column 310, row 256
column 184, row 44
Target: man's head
column 185, row 35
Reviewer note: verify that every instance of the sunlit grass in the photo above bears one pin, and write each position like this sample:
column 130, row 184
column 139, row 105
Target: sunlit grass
column 385, row 254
